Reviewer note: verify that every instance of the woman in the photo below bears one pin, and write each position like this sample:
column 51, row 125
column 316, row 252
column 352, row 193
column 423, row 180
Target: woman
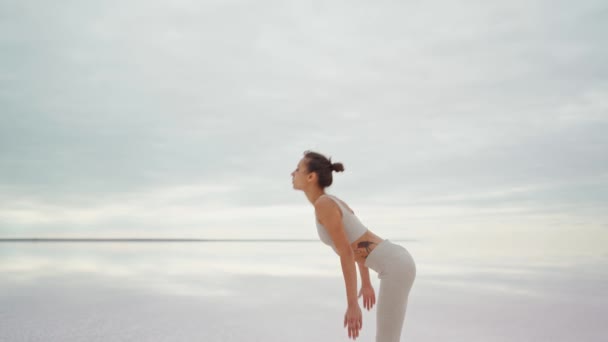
column 339, row 228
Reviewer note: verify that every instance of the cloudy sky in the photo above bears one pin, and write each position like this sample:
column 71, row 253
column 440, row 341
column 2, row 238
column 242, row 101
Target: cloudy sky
column 185, row 118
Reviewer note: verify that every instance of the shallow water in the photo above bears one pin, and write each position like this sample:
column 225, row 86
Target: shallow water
column 288, row 291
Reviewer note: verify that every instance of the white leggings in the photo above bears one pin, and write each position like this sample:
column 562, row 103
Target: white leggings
column 396, row 271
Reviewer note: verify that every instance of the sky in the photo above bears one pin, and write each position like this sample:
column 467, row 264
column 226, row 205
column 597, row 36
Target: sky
column 480, row 120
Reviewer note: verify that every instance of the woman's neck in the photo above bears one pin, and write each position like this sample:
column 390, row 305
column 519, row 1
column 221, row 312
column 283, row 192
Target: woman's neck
column 314, row 194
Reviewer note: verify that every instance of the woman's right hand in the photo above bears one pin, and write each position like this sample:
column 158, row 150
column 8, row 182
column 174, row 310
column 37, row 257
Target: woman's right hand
column 353, row 318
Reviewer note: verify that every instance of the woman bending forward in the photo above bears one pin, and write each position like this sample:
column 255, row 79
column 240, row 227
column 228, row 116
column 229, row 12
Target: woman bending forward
column 339, row 228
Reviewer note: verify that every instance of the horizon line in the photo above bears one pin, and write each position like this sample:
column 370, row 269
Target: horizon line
column 159, row 240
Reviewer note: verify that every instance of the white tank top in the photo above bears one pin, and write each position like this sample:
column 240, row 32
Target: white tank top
column 353, row 227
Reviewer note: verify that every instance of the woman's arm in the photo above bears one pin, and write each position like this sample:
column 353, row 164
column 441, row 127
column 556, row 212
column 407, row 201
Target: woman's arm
column 367, row 290
column 328, row 214
column 364, row 272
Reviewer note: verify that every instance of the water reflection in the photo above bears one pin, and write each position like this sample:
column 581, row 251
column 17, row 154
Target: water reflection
column 153, row 291
column 124, row 259
column 204, row 268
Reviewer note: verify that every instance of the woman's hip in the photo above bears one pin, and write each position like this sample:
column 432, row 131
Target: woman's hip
column 390, row 258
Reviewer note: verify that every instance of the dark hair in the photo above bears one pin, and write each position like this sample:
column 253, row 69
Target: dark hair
column 322, row 166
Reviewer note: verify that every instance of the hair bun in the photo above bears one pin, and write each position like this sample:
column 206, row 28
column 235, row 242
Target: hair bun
column 338, row 167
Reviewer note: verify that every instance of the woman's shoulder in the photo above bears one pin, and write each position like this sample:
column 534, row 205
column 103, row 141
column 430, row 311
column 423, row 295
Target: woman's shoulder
column 324, row 201
column 342, row 203
column 332, row 201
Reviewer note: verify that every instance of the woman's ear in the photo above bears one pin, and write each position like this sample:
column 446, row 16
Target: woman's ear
column 312, row 177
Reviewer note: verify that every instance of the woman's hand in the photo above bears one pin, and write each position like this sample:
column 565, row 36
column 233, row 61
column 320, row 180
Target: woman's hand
column 369, row 297
column 354, row 320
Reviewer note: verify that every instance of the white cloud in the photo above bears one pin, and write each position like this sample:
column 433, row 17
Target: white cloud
column 113, row 108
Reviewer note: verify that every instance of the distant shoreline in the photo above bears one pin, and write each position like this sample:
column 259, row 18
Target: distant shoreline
column 155, row 240
column 146, row 240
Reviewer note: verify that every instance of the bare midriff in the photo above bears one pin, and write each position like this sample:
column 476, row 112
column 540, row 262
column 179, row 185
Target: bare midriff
column 364, row 245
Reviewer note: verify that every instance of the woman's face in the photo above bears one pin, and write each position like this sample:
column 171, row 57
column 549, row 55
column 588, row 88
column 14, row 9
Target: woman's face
column 300, row 176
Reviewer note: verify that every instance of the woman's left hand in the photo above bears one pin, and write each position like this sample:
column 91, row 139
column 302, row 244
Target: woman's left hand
column 369, row 296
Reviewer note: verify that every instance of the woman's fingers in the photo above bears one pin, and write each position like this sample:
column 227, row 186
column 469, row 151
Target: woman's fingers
column 353, row 328
column 368, row 302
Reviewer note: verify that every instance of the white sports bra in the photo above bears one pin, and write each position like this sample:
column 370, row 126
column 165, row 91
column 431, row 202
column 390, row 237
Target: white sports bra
column 352, row 226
